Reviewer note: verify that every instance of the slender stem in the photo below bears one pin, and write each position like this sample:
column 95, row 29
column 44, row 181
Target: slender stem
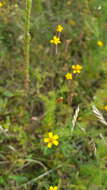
column 56, row 49
column 27, row 43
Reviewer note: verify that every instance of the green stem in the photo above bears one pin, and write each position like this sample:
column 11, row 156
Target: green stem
column 27, row 43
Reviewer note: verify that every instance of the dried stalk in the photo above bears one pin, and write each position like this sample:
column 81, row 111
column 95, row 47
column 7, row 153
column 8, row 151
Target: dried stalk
column 99, row 115
column 27, row 39
column 75, row 118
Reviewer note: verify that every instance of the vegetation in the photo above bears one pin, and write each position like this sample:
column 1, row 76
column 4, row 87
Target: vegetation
column 53, row 95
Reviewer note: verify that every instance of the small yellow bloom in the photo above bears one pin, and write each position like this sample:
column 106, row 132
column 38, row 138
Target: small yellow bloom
column 55, row 40
column 51, row 140
column 76, row 68
column 105, row 107
column 100, row 43
column 53, row 188
column 59, row 28
column 68, row 76
column 1, row 4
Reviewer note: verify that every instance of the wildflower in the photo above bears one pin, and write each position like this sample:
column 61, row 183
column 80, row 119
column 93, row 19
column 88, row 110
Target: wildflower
column 53, row 188
column 68, row 76
column 55, row 40
column 59, row 28
column 51, row 140
column 100, row 43
column 76, row 68
column 1, row 4
column 105, row 107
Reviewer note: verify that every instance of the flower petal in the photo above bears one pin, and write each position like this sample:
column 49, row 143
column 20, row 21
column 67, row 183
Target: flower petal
column 51, row 188
column 49, row 145
column 46, row 140
column 79, row 67
column 55, row 38
column 55, row 137
column 74, row 71
column 51, row 41
column 55, row 142
column 55, row 188
column 50, row 134
column 73, row 66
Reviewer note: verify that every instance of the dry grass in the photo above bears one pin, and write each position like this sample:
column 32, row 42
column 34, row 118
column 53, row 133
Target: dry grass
column 99, row 115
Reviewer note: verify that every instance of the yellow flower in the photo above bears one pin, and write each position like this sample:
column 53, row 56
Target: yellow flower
column 100, row 43
column 68, row 76
column 76, row 68
column 51, row 140
column 1, row 4
column 59, row 28
column 105, row 107
column 55, row 40
column 53, row 188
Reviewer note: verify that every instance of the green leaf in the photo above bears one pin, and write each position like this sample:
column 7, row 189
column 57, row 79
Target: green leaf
column 19, row 179
column 2, row 180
